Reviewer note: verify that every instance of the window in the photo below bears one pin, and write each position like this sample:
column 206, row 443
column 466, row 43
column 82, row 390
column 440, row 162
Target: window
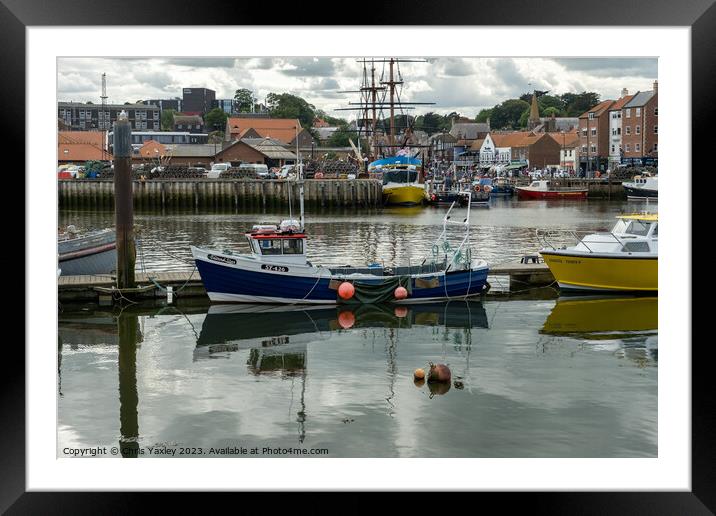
column 638, row 129
column 628, row 130
column 656, row 129
column 614, row 149
column 591, row 116
column 656, row 111
column 584, row 132
column 628, row 147
column 655, row 233
column 638, row 112
column 628, row 113
column 293, row 246
column 636, row 247
column 637, row 227
column 584, row 149
column 270, row 246
column 594, row 148
column 594, row 131
column 637, row 147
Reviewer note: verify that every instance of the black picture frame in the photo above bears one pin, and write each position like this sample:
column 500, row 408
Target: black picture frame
column 700, row 15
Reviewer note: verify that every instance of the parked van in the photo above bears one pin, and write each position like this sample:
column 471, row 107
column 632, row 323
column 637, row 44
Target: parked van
column 217, row 169
column 259, row 170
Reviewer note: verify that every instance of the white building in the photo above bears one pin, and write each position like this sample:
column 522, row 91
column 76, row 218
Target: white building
column 615, row 129
column 491, row 154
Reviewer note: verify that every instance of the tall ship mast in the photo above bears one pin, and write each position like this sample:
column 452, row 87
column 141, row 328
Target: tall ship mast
column 379, row 95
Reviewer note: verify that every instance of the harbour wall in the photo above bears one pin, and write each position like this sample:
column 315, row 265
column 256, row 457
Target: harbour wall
column 221, row 193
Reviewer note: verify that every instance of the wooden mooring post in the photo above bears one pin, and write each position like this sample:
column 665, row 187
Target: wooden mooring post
column 123, row 207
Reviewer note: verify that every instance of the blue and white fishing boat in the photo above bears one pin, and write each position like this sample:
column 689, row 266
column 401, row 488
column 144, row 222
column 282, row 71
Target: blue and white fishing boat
column 277, row 270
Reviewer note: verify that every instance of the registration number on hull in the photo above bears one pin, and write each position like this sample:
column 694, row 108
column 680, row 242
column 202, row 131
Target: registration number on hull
column 275, row 268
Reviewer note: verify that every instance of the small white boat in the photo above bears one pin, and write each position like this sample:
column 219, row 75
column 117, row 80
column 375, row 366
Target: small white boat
column 90, row 253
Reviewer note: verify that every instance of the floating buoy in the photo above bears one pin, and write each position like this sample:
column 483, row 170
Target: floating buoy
column 346, row 319
column 419, row 374
column 401, row 293
column 346, row 290
column 400, row 311
column 439, row 373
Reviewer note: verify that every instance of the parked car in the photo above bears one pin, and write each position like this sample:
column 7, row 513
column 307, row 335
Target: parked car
column 217, row 169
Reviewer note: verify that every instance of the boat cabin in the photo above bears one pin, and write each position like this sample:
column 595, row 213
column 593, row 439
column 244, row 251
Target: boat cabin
column 631, row 234
column 540, row 185
column 285, row 243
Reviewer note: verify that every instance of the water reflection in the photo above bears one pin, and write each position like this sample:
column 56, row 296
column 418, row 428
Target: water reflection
column 342, row 378
column 606, row 315
column 625, row 326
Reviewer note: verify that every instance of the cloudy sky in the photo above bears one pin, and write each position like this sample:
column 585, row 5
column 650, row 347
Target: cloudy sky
column 465, row 85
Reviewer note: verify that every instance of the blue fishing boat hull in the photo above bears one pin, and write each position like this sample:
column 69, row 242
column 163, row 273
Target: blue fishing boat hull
column 226, row 283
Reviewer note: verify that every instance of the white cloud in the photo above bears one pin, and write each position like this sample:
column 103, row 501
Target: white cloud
column 466, row 85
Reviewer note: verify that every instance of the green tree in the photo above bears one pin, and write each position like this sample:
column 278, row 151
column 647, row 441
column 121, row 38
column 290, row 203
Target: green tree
column 244, row 100
column 552, row 111
column 524, row 118
column 215, row 120
column 285, row 105
column 483, row 115
column 340, row 137
column 168, row 119
column 549, row 101
column 430, row 123
column 507, row 115
column 578, row 103
column 215, row 137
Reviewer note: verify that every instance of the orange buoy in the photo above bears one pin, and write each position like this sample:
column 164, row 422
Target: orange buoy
column 401, row 293
column 419, row 374
column 400, row 311
column 346, row 290
column 346, row 319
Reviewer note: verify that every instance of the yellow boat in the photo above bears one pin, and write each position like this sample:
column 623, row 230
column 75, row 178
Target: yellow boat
column 624, row 259
column 401, row 186
column 607, row 314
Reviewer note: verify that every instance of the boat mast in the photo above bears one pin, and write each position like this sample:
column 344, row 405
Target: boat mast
column 392, row 104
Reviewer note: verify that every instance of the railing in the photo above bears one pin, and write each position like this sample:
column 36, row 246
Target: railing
column 545, row 237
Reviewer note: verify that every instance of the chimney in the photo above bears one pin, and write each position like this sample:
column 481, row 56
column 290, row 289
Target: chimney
column 656, row 86
column 625, row 92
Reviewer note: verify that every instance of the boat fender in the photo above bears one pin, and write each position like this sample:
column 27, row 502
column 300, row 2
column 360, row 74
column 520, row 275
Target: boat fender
column 477, row 188
column 488, row 188
column 439, row 373
column 400, row 293
column 346, row 290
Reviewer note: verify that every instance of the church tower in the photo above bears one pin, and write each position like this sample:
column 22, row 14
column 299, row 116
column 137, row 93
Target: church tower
column 533, row 120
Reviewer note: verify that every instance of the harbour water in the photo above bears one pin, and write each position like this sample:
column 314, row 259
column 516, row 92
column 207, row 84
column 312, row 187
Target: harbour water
column 541, row 376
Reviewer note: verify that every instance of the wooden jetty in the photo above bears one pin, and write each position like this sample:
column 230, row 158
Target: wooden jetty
column 187, row 283
column 202, row 193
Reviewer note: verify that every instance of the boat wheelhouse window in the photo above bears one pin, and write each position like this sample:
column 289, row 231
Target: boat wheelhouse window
column 638, row 227
column 655, row 233
column 620, row 226
column 293, row 246
column 534, row 184
column 269, row 246
column 400, row 176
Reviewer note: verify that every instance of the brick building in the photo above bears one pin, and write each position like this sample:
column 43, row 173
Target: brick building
column 594, row 139
column 266, row 151
column 285, row 130
column 80, row 146
column 640, row 134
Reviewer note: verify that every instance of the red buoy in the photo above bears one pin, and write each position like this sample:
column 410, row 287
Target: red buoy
column 346, row 290
column 346, row 319
column 401, row 293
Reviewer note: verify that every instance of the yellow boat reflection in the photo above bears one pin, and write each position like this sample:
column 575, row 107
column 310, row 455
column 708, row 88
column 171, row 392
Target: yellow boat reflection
column 606, row 314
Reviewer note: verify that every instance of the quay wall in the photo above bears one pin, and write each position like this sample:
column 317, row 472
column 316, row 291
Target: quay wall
column 221, row 193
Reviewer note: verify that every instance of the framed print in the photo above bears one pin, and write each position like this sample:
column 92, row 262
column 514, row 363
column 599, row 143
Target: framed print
column 378, row 252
